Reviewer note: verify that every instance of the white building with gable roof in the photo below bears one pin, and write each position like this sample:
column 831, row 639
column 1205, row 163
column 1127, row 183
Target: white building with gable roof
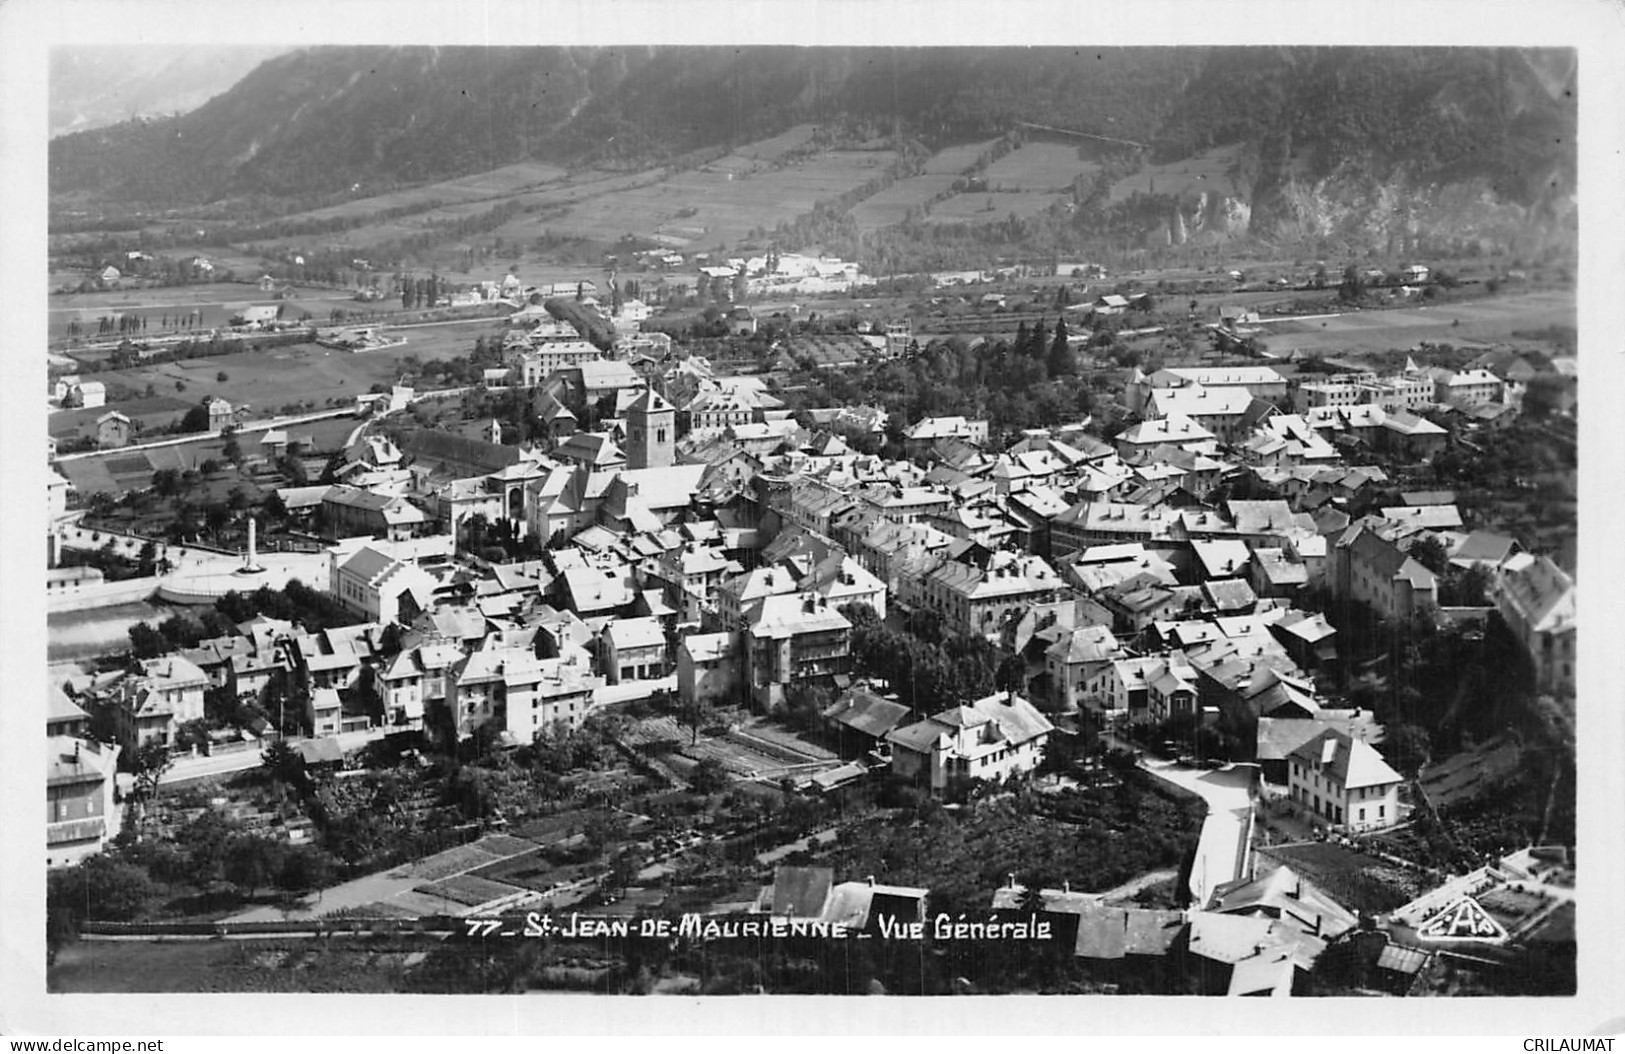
column 992, row 738
column 1344, row 783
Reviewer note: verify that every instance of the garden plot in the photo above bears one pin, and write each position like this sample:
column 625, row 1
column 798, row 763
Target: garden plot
column 755, row 750
column 530, row 871
column 470, row 890
column 463, row 858
column 1353, row 879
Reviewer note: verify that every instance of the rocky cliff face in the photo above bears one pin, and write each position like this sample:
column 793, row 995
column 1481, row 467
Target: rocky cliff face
column 1399, row 216
column 1354, row 210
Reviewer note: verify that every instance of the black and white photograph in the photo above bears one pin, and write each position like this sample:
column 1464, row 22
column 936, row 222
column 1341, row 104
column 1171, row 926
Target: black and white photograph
column 676, row 509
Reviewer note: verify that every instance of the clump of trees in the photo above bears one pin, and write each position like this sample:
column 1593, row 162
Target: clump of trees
column 921, row 664
column 176, row 632
column 296, row 602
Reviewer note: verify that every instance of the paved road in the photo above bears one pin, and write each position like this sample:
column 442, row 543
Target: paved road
column 1228, row 793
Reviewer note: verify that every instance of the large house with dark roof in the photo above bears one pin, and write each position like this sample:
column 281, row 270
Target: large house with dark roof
column 456, row 456
column 351, row 512
column 859, row 721
column 1375, row 571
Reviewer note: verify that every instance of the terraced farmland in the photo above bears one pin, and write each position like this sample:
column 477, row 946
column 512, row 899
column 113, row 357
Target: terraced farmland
column 713, row 205
column 890, row 206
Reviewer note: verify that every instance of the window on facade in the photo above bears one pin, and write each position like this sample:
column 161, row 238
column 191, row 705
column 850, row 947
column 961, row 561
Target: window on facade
column 1382, row 811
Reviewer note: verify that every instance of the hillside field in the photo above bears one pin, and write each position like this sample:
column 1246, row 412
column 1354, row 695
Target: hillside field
column 891, row 205
column 1208, row 171
column 499, row 182
column 953, row 160
column 726, row 206
column 1039, row 166
column 973, row 208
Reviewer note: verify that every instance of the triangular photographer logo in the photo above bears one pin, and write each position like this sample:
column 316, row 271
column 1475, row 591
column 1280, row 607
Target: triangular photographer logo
column 1464, row 920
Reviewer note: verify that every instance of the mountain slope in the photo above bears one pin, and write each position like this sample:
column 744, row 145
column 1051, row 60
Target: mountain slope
column 1364, row 142
column 322, row 119
column 1417, row 116
column 93, row 86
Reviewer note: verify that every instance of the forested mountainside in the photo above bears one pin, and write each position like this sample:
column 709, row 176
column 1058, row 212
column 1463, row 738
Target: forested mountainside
column 324, row 120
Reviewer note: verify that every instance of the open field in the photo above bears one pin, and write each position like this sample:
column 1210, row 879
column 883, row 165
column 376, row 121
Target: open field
column 215, row 303
column 953, row 160
column 1208, row 171
column 972, row 208
column 890, row 205
column 1487, row 320
column 1039, row 166
column 270, row 379
column 151, row 411
column 117, row 471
